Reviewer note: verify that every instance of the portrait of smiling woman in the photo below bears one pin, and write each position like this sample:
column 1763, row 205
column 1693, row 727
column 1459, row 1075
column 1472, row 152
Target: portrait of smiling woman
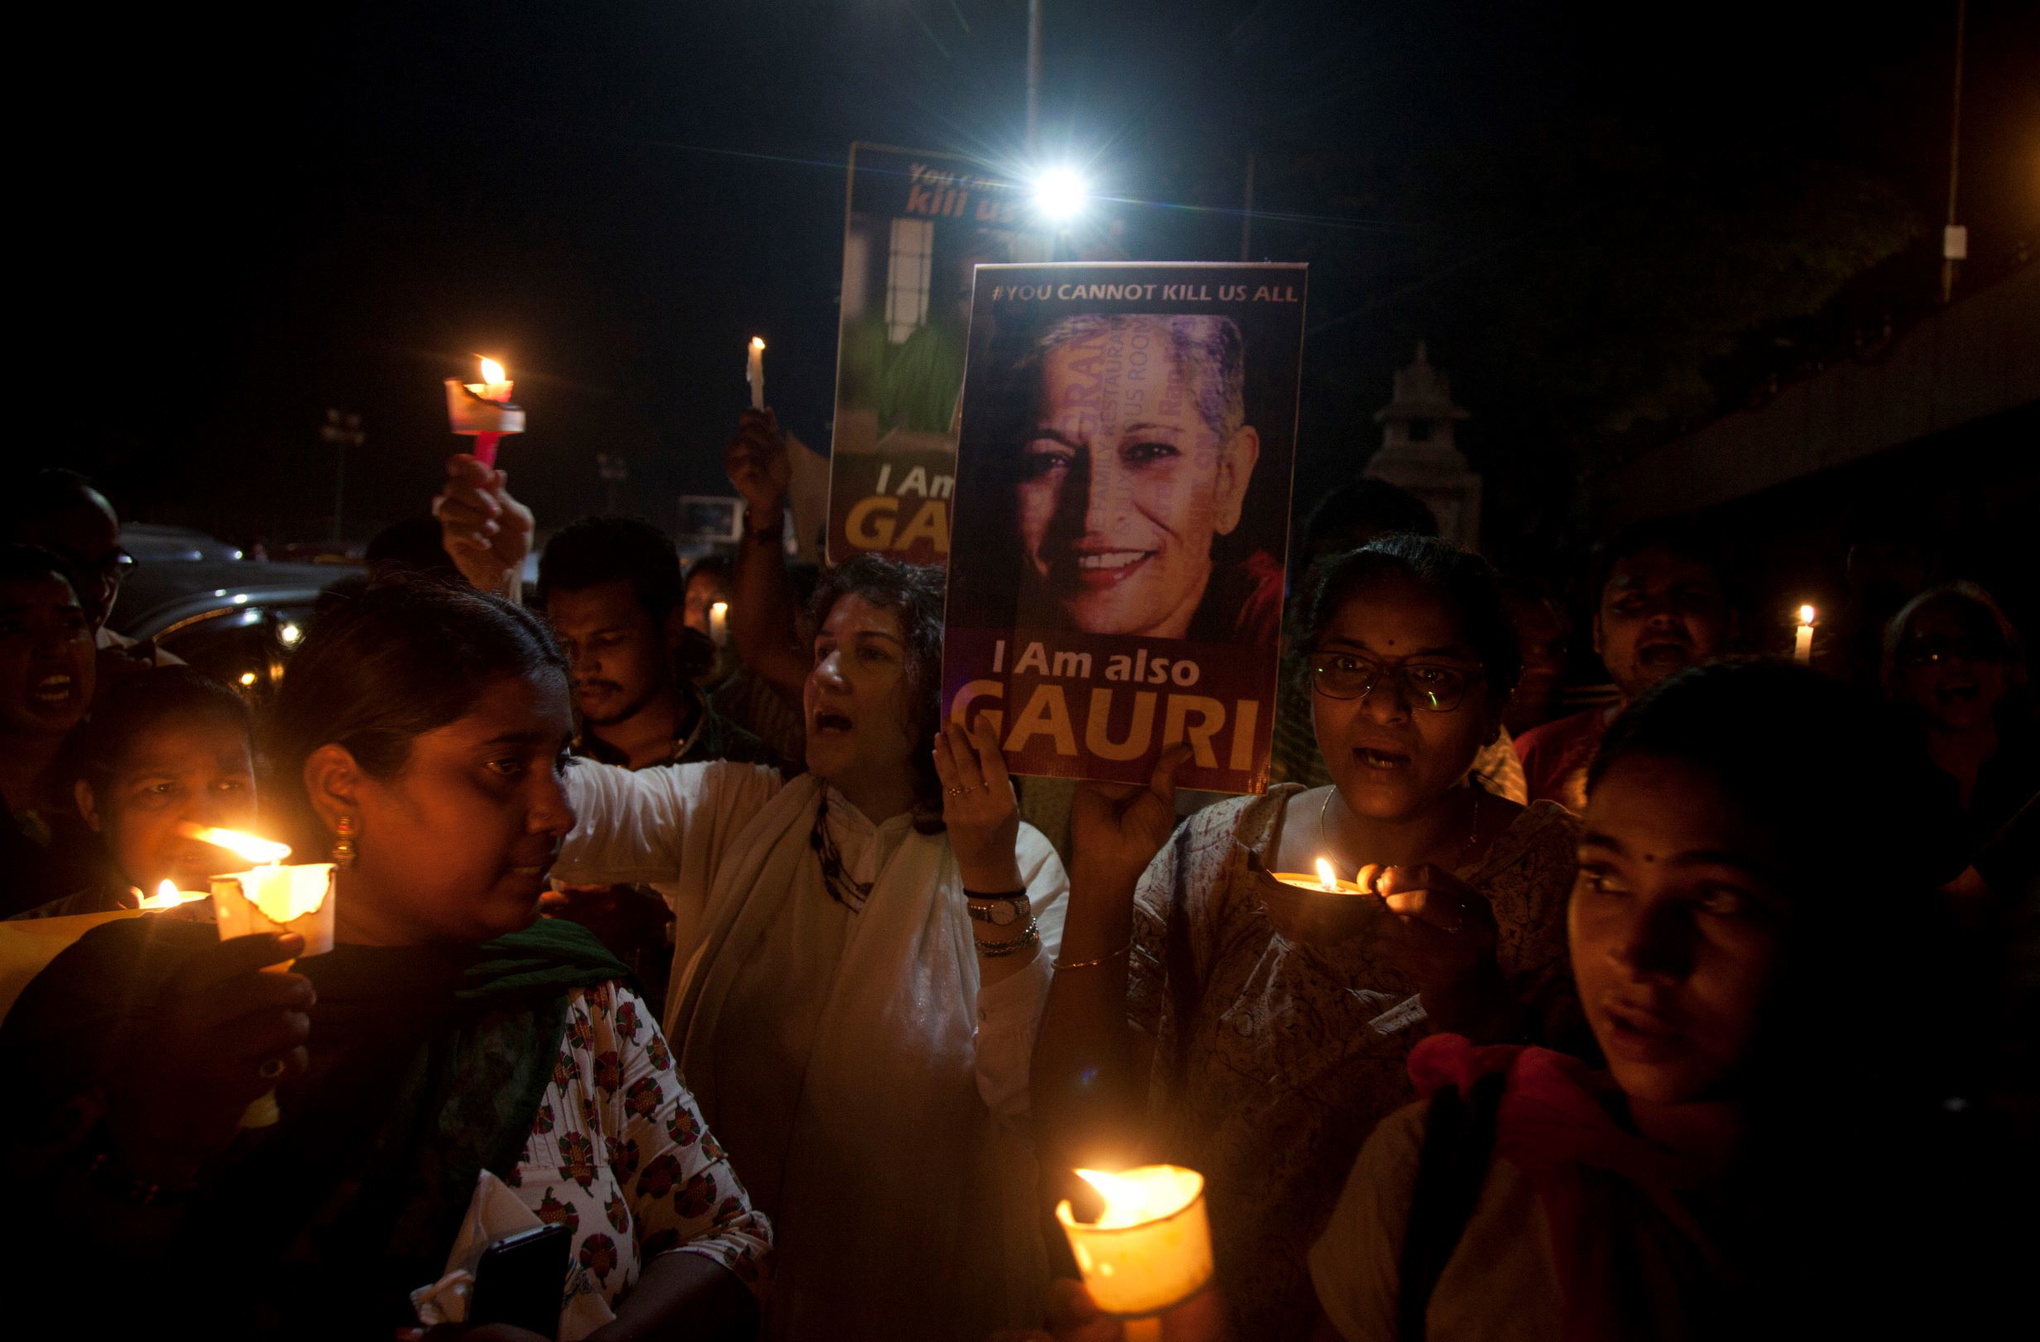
column 1126, row 457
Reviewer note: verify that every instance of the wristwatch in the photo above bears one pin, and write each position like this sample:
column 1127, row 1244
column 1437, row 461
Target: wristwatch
column 998, row 910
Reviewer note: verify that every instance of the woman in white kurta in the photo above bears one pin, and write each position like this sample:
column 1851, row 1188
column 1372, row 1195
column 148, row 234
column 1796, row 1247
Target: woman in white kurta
column 856, row 1010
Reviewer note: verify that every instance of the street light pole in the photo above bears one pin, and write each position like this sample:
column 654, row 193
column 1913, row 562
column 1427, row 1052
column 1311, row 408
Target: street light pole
column 343, row 431
column 1954, row 237
column 1247, row 214
column 1033, row 73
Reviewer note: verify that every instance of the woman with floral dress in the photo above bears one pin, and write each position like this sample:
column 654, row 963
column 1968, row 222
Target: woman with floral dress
column 446, row 1039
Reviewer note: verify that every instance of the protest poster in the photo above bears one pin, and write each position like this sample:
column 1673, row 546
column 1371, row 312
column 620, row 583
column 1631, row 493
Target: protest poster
column 917, row 223
column 1122, row 513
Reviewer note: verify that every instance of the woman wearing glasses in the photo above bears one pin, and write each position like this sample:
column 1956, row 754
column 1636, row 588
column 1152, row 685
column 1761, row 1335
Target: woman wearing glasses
column 1205, row 1015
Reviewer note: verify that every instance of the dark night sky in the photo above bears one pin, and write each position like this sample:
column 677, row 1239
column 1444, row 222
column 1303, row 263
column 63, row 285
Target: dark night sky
column 232, row 224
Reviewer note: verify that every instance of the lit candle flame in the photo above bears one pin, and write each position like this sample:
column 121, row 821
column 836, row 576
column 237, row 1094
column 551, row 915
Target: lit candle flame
column 758, row 343
column 1806, row 616
column 1327, row 878
column 1150, row 1194
column 246, row 846
column 492, row 373
column 167, row 896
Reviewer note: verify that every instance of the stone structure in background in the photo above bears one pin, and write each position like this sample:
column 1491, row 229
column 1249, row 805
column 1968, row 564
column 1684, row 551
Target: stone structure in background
column 1417, row 452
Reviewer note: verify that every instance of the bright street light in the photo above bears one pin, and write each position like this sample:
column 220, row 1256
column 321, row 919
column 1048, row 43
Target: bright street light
column 1060, row 194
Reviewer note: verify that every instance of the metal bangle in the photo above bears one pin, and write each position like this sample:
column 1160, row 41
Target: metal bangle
column 984, row 908
column 1104, row 959
column 1029, row 936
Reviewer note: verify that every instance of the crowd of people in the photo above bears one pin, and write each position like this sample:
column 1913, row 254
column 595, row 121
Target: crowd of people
column 1703, row 1010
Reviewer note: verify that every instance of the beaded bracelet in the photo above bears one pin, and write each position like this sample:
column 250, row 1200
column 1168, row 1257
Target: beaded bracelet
column 1029, row 936
column 1105, row 959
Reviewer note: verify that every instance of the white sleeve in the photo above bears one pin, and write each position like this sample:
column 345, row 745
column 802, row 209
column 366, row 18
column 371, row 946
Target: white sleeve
column 1009, row 1012
column 1356, row 1264
column 648, row 826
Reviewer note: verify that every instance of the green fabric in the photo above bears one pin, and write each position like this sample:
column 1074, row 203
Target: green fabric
column 551, row 953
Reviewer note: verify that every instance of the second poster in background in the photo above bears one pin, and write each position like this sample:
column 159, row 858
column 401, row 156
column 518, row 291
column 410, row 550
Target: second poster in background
column 1121, row 515
column 916, row 224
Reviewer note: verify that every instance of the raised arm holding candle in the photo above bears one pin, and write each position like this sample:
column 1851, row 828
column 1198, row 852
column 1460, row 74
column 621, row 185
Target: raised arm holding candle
column 1264, row 1069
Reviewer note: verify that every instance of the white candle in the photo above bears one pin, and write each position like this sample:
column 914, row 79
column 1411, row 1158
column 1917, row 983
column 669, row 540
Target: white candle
column 496, row 384
column 719, row 624
column 1802, row 636
column 1151, row 1249
column 754, row 371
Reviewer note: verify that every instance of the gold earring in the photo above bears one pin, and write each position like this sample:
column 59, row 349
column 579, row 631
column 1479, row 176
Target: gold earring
column 344, row 851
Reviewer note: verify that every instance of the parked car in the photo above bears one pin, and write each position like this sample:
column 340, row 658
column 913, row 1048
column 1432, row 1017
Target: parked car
column 151, row 544
column 234, row 620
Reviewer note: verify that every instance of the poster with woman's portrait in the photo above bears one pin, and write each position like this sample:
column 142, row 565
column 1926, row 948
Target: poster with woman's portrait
column 1121, row 513
column 916, row 226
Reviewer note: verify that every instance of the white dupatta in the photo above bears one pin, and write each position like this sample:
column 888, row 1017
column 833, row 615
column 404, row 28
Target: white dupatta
column 905, row 1211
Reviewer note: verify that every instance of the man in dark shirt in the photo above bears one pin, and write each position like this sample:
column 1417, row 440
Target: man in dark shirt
column 611, row 589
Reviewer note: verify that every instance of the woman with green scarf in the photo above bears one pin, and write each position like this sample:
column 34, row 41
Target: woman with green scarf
column 447, row 1038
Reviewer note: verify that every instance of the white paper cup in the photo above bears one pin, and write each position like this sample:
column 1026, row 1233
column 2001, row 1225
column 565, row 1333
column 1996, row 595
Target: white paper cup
column 469, row 413
column 1140, row 1271
column 243, row 902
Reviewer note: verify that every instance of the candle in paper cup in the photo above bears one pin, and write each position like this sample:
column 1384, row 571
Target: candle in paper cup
column 1802, row 636
column 754, row 371
column 483, row 410
column 271, row 897
column 1151, row 1248
column 278, row 898
column 719, row 623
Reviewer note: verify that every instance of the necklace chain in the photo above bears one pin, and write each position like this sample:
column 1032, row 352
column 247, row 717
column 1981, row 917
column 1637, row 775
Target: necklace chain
column 844, row 888
column 1465, row 850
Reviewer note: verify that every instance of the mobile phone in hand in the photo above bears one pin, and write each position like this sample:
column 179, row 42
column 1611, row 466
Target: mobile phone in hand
column 522, row 1278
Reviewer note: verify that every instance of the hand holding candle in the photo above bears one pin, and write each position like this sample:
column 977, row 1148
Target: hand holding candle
column 483, row 410
column 294, row 900
column 223, row 1030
